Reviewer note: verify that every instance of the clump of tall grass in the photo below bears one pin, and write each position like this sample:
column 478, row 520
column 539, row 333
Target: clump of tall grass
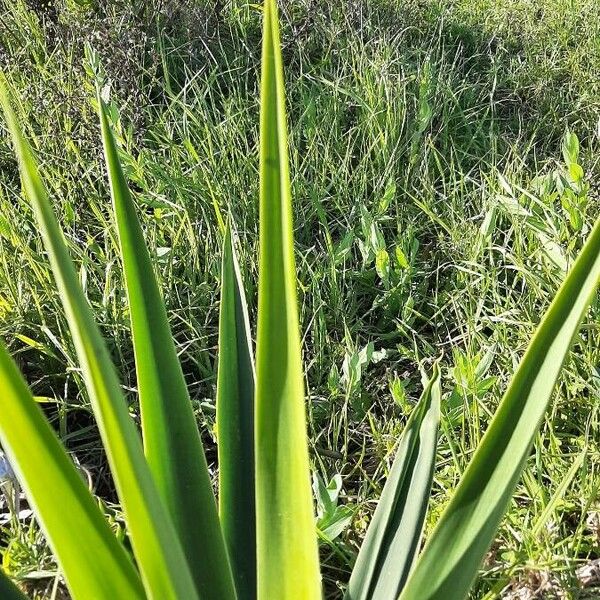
column 260, row 542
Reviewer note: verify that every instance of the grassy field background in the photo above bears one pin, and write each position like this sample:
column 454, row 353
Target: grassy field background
column 434, row 212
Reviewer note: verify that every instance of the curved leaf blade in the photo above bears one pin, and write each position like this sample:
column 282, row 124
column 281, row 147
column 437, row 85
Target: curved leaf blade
column 450, row 560
column 65, row 509
column 392, row 541
column 170, row 433
column 235, row 425
column 287, row 556
column 8, row 590
column 164, row 570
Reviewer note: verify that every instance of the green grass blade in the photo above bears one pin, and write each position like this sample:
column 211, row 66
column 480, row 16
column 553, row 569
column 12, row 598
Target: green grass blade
column 466, row 529
column 65, row 509
column 235, row 425
column 171, row 438
column 393, row 537
column 288, row 566
column 157, row 549
column 8, row 590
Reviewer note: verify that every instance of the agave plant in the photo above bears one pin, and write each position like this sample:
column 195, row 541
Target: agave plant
column 260, row 541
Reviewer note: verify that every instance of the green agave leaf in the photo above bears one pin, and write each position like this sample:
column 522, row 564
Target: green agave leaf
column 235, row 425
column 393, row 537
column 466, row 529
column 288, row 565
column 171, row 438
column 8, row 590
column 67, row 512
column 159, row 555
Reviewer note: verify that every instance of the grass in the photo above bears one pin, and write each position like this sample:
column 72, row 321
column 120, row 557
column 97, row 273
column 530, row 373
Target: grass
column 419, row 136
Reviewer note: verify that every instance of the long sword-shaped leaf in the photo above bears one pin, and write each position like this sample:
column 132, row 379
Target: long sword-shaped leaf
column 8, row 590
column 466, row 529
column 235, row 425
column 288, row 566
column 62, row 504
column 392, row 540
column 171, row 439
column 161, row 560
